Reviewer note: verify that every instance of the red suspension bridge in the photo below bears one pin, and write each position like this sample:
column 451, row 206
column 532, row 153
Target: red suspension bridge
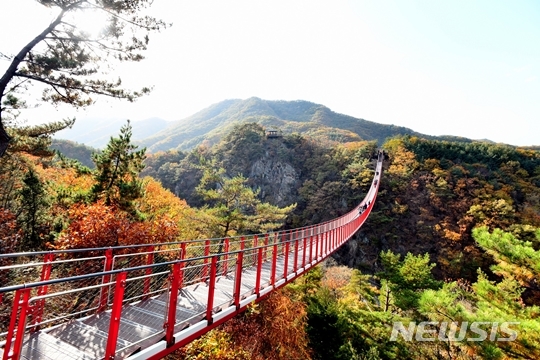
column 145, row 301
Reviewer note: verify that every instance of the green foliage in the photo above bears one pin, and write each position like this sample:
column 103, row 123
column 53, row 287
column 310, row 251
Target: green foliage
column 406, row 279
column 73, row 150
column 235, row 207
column 117, row 171
column 346, row 320
column 515, row 259
column 36, row 140
column 492, row 155
column 34, row 204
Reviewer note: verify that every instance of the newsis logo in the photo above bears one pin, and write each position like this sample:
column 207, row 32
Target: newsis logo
column 454, row 331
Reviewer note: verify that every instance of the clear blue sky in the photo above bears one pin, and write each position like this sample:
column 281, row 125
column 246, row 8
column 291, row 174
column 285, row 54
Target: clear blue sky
column 460, row 67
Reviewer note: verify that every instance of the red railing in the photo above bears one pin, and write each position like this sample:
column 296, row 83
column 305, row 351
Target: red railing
column 40, row 292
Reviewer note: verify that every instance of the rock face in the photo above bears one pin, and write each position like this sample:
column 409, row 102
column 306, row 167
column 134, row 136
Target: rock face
column 277, row 180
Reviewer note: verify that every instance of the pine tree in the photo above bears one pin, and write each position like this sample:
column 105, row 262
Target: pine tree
column 65, row 60
column 117, row 171
column 234, row 207
column 33, row 209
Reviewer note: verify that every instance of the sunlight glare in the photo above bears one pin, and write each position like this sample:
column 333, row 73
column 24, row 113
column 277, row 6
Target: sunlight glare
column 91, row 22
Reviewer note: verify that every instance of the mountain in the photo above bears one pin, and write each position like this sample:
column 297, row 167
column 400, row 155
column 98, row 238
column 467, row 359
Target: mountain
column 73, row 150
column 96, row 132
column 304, row 117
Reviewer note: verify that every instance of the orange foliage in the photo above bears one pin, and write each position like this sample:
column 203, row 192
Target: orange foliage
column 160, row 203
column 99, row 225
column 65, row 178
column 272, row 330
column 336, row 277
column 10, row 234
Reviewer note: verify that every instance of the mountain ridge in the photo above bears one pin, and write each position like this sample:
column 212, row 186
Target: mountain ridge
column 302, row 116
column 209, row 125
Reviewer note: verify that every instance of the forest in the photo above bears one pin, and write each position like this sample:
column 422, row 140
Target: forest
column 454, row 236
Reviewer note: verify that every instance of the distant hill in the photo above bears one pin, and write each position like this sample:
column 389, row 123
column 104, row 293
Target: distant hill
column 96, row 132
column 73, row 150
column 305, row 117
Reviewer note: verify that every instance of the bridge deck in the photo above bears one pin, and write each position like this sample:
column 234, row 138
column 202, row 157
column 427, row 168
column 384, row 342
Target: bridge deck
column 142, row 322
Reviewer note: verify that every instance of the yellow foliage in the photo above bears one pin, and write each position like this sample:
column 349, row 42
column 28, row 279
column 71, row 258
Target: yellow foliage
column 404, row 162
column 159, row 203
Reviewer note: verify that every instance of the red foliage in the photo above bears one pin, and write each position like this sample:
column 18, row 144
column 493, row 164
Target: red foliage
column 99, row 225
column 10, row 233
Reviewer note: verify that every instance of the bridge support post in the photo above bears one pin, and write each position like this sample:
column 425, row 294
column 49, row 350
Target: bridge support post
column 20, row 300
column 104, row 293
column 149, row 261
column 116, row 313
column 310, row 249
column 226, row 257
column 259, row 271
column 274, row 263
column 255, row 254
column 238, row 279
column 295, row 264
column 304, row 249
column 265, row 247
column 317, row 238
column 181, row 265
column 40, row 304
column 286, row 260
column 206, row 254
column 174, row 278
column 211, row 290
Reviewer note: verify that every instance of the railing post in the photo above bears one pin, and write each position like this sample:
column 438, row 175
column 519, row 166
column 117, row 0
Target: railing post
column 286, row 260
column 173, row 302
column 324, row 251
column 331, row 239
column 255, row 244
column 106, row 278
column 259, row 271
column 317, row 239
column 181, row 265
column 226, row 257
column 282, row 242
column 295, row 264
column 238, row 279
column 149, row 261
column 211, row 290
column 40, row 304
column 274, row 263
column 116, row 313
column 206, row 254
column 265, row 247
column 310, row 248
column 304, row 245
column 323, row 239
column 19, row 332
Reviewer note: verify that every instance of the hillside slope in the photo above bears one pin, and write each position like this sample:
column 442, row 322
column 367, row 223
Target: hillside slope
column 307, row 118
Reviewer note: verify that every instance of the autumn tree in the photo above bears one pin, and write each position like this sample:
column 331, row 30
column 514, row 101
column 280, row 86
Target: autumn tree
column 65, row 61
column 274, row 329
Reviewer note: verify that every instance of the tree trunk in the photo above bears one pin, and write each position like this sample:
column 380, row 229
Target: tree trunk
column 12, row 69
column 4, row 139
